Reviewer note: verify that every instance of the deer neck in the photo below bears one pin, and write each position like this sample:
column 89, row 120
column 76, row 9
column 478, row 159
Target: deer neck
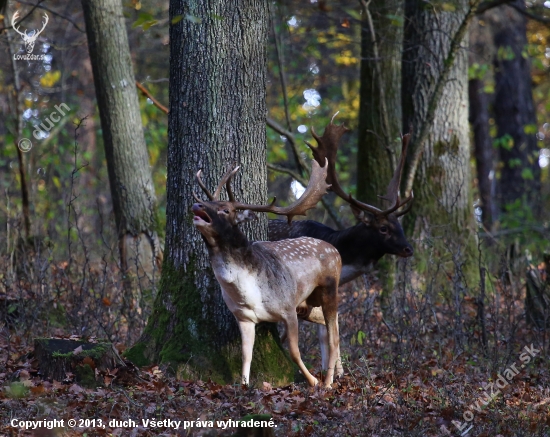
column 355, row 245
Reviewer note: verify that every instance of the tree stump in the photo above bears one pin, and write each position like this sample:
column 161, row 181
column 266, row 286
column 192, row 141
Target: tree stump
column 57, row 357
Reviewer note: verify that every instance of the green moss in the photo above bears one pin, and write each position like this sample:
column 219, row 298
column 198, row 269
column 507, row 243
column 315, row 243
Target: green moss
column 440, row 148
column 96, row 353
column 85, row 376
column 136, row 355
column 177, row 335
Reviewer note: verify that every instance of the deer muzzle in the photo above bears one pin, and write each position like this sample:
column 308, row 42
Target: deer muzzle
column 201, row 217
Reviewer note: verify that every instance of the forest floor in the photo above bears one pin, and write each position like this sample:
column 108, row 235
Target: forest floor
column 415, row 368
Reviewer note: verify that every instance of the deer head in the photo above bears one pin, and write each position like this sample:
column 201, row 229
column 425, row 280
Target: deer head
column 29, row 40
column 389, row 233
column 215, row 218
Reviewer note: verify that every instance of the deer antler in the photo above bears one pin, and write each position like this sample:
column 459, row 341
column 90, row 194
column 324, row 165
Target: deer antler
column 316, row 188
column 13, row 19
column 328, row 148
column 225, row 180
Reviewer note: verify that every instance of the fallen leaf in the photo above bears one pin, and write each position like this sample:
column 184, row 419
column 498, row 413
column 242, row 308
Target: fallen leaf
column 89, row 361
column 75, row 388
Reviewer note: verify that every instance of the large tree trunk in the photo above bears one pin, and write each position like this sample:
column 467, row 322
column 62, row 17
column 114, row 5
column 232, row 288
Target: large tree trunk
column 132, row 190
column 442, row 184
column 217, row 118
column 515, row 112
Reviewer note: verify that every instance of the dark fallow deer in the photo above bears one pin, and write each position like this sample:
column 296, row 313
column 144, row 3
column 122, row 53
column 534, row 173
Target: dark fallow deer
column 266, row 281
column 378, row 231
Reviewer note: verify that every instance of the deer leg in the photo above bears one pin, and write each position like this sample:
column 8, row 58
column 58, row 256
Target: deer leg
column 248, row 332
column 323, row 343
column 291, row 323
column 330, row 311
column 283, row 333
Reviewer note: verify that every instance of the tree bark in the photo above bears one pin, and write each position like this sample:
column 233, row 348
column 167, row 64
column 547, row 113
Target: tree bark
column 379, row 122
column 479, row 54
column 132, row 190
column 442, row 184
column 217, row 118
column 515, row 117
column 380, row 108
column 483, row 149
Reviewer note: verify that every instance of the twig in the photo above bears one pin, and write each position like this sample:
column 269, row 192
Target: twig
column 6, row 22
column 418, row 145
column 485, row 6
column 528, row 14
column 77, row 27
column 281, row 69
column 146, row 92
column 301, row 164
column 302, row 169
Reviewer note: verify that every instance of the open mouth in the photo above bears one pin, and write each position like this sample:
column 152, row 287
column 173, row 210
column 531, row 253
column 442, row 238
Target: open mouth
column 200, row 214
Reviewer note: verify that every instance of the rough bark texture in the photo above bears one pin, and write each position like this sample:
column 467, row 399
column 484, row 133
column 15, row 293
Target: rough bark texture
column 132, row 190
column 374, row 162
column 514, row 110
column 217, row 118
column 442, row 183
column 479, row 56
column 380, row 122
column 483, row 149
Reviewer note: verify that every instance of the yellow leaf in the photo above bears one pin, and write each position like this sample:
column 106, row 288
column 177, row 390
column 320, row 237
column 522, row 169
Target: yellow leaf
column 50, row 79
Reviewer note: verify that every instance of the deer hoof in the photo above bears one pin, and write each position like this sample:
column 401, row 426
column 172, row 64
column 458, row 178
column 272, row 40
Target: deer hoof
column 313, row 381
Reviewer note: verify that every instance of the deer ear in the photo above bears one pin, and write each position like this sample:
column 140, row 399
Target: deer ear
column 245, row 216
column 361, row 215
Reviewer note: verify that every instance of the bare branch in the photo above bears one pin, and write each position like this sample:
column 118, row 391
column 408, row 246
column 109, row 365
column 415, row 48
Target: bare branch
column 146, row 92
column 302, row 167
column 6, row 24
column 486, row 5
column 69, row 19
column 540, row 19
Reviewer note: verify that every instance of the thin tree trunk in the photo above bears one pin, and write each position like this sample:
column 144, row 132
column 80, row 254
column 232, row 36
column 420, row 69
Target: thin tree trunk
column 132, row 190
column 479, row 54
column 442, row 185
column 217, row 118
column 380, row 108
column 483, row 149
column 515, row 117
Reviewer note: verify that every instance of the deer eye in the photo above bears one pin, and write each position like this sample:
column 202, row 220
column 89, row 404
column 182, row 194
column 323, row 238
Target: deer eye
column 226, row 211
column 383, row 229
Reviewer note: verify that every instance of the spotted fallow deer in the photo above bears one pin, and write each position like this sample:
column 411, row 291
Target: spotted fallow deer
column 266, row 281
column 378, row 231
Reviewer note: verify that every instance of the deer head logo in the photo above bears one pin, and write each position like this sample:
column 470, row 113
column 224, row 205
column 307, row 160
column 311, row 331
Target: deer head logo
column 29, row 40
